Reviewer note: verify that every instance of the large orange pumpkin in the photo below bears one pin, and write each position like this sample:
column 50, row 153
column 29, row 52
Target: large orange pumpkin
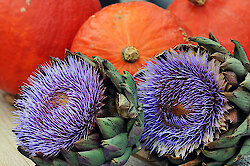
column 126, row 34
column 225, row 19
column 33, row 30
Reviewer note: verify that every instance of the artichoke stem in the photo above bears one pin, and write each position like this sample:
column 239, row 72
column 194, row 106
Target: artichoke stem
column 198, row 2
column 130, row 54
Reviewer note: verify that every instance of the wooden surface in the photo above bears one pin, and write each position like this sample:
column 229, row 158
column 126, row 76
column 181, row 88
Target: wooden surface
column 9, row 156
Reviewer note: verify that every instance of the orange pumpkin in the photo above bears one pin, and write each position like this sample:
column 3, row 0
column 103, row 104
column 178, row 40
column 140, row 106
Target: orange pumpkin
column 225, row 19
column 33, row 30
column 126, row 34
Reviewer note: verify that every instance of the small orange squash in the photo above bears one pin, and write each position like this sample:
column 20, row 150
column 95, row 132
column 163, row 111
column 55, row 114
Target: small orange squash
column 33, row 30
column 126, row 34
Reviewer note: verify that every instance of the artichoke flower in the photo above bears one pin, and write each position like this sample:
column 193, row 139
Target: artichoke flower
column 196, row 101
column 79, row 111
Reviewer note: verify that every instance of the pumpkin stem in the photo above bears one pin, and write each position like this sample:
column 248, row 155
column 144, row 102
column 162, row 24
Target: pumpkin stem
column 130, row 54
column 198, row 2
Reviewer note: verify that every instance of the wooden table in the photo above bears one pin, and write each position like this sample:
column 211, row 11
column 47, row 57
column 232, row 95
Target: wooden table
column 9, row 156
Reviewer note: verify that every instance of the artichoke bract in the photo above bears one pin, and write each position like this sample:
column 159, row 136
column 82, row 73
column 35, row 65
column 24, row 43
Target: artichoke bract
column 196, row 101
column 79, row 111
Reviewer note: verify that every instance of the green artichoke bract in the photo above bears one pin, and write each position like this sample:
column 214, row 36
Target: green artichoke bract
column 196, row 101
column 79, row 111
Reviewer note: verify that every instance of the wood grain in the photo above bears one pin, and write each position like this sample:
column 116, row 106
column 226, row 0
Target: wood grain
column 9, row 155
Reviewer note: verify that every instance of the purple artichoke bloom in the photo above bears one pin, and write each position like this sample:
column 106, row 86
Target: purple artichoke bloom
column 182, row 101
column 58, row 106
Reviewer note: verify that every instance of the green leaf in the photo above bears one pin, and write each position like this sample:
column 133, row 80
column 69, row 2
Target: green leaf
column 58, row 162
column 246, row 82
column 243, row 151
column 70, row 156
column 212, row 37
column 113, row 74
column 240, row 97
column 93, row 142
column 119, row 161
column 243, row 129
column 220, row 154
column 129, row 80
column 85, row 58
column 236, row 66
column 116, row 146
column 225, row 141
column 93, row 157
column 209, row 44
column 136, row 131
column 111, row 126
column 132, row 96
column 240, row 54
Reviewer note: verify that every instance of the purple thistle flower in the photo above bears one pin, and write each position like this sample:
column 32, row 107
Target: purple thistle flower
column 180, row 93
column 58, row 106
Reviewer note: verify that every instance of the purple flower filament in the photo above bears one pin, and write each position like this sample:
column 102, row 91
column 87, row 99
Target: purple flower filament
column 180, row 93
column 58, row 106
